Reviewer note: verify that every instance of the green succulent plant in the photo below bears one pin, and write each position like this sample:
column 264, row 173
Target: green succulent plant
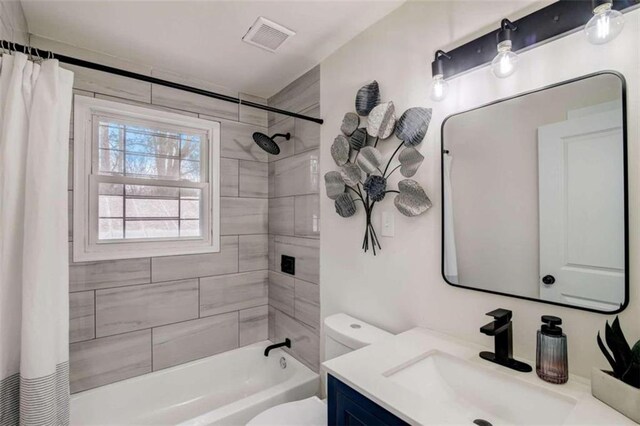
column 624, row 360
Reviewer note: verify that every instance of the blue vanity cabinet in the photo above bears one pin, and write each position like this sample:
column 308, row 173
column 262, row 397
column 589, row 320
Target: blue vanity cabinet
column 348, row 407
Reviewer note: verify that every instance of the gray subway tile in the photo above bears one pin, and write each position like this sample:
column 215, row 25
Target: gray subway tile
column 305, row 343
column 228, row 293
column 187, row 101
column 302, row 93
column 240, row 216
column 307, row 133
column 254, row 325
column 109, row 273
column 237, row 141
column 251, row 115
column 101, row 361
column 281, row 292
column 297, row 175
column 109, row 84
column 121, row 310
column 281, row 216
column 145, row 105
column 307, row 303
column 229, row 178
column 307, row 254
column 272, row 323
column 286, row 146
column 307, row 216
column 254, row 252
column 272, row 252
column 186, row 341
column 254, row 179
column 81, row 316
column 198, row 265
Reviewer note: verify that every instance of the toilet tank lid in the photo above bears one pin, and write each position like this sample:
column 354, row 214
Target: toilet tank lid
column 352, row 332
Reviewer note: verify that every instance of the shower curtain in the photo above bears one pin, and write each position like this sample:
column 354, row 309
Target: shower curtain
column 450, row 254
column 35, row 108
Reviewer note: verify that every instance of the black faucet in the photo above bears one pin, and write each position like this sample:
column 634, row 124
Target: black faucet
column 286, row 343
column 502, row 330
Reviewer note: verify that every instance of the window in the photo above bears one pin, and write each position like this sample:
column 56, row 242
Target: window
column 146, row 182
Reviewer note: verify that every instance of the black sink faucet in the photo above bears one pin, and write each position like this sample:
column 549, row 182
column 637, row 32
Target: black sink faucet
column 286, row 343
column 502, row 330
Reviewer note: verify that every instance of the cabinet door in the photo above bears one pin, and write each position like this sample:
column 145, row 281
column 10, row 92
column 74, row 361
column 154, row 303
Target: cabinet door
column 347, row 407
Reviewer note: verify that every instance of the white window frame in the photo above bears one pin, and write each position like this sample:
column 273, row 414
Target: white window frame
column 86, row 246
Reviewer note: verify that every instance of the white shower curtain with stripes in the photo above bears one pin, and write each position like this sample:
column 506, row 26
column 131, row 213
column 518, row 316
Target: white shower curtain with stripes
column 35, row 108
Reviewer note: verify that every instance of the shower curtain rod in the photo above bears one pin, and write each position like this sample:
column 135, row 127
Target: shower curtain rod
column 10, row 46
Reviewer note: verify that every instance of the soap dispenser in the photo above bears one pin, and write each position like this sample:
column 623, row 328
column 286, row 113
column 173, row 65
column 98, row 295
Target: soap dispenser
column 552, row 364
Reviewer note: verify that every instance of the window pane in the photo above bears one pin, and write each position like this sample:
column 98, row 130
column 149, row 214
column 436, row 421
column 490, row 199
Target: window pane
column 189, row 209
column 110, row 162
column 189, row 228
column 110, row 189
column 149, row 150
column 110, row 136
column 190, row 170
column 153, row 191
column 110, row 229
column 152, row 229
column 152, row 208
column 110, row 206
column 190, row 149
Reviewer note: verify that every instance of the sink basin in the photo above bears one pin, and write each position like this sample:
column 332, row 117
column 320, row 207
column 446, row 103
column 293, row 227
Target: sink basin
column 473, row 392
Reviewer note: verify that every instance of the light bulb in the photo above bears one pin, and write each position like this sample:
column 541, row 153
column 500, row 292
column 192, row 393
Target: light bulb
column 605, row 25
column 504, row 64
column 439, row 88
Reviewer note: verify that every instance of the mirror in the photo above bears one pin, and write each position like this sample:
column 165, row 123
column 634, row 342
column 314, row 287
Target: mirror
column 534, row 191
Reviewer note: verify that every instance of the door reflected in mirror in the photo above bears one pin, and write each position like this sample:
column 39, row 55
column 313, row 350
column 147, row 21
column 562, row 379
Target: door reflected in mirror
column 535, row 195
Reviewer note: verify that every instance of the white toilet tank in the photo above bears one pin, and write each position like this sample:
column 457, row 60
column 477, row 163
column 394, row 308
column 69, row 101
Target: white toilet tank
column 344, row 334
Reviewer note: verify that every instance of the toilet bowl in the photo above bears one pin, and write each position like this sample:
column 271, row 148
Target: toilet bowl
column 343, row 334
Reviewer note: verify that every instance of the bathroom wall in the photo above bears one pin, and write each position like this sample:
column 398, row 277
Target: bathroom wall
column 402, row 287
column 133, row 316
column 294, row 220
column 13, row 25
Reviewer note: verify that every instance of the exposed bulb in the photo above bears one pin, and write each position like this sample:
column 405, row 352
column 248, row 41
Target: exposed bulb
column 605, row 25
column 504, row 64
column 439, row 88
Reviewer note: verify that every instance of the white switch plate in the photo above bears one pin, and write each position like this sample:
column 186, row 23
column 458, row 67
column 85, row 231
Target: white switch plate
column 388, row 224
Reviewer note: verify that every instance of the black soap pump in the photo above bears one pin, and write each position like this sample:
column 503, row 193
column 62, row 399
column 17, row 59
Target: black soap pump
column 552, row 364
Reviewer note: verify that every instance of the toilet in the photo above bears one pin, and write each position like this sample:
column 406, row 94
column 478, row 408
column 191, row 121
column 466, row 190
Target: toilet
column 343, row 334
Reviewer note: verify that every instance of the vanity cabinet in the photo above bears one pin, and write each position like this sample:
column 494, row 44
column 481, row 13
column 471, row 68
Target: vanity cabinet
column 349, row 407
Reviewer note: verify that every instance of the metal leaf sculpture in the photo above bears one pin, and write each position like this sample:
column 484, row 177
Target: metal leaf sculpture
column 340, row 150
column 334, row 184
column 413, row 125
column 410, row 160
column 351, row 174
column 350, row 123
column 369, row 160
column 344, row 205
column 412, row 200
column 358, row 139
column 367, row 98
column 364, row 178
column 375, row 186
column 382, row 120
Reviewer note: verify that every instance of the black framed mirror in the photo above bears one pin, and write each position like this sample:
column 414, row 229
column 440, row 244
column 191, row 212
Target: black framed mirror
column 535, row 195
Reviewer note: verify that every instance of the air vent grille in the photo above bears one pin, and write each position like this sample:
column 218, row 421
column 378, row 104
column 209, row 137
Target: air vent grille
column 267, row 34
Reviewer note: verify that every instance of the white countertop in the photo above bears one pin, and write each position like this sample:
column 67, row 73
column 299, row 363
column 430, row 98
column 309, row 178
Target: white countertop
column 364, row 369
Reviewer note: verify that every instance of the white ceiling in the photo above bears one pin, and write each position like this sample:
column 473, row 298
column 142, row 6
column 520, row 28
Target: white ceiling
column 202, row 39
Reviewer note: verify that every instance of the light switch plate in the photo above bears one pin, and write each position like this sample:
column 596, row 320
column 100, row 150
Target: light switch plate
column 388, row 224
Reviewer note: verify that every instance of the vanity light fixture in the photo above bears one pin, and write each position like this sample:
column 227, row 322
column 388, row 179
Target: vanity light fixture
column 504, row 63
column 605, row 24
column 439, row 85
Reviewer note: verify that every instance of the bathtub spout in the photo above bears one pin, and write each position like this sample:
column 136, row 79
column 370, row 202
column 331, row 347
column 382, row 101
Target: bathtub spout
column 286, row 343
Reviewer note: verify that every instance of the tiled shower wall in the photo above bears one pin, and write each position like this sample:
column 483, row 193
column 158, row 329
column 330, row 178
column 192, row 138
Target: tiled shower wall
column 130, row 317
column 294, row 220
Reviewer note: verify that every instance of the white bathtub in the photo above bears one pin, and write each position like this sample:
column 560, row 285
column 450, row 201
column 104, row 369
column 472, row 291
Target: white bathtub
column 224, row 389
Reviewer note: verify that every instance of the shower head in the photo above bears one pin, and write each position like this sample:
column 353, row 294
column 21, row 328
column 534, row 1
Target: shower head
column 267, row 143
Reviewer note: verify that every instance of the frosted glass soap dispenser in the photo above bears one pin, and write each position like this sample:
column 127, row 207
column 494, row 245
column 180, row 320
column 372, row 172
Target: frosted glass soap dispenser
column 552, row 364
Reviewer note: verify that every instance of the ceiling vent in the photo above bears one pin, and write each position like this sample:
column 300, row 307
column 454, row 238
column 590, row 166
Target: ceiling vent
column 267, row 34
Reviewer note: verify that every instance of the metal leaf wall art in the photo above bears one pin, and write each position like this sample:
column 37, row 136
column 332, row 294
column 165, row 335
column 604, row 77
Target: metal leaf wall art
column 364, row 176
